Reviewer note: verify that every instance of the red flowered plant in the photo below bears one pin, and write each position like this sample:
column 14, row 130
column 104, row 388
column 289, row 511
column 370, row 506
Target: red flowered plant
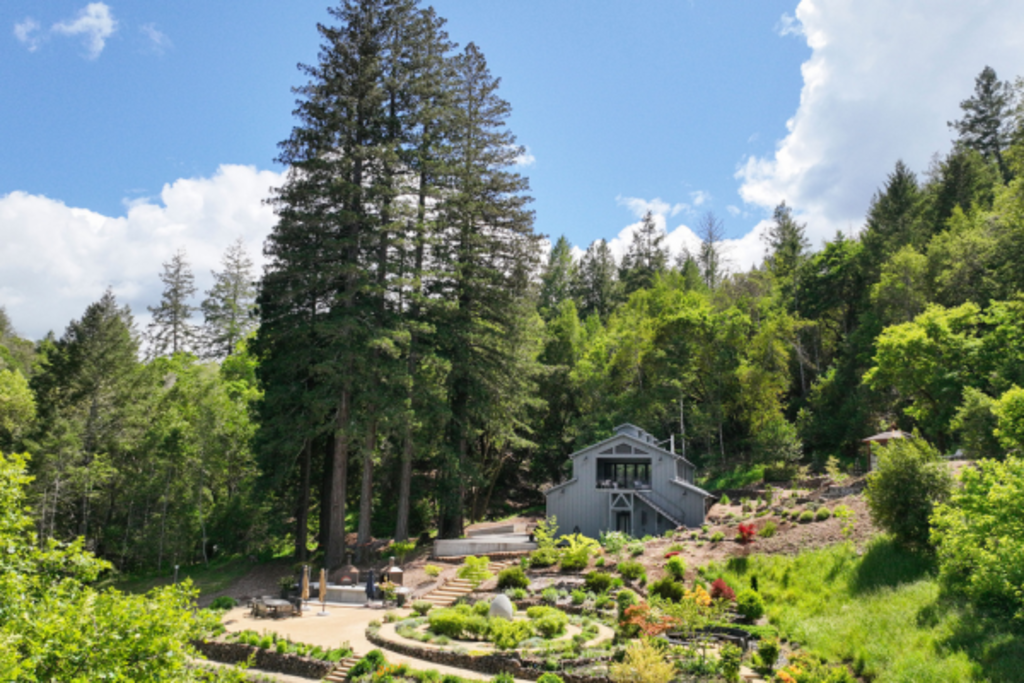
column 720, row 590
column 747, row 532
column 672, row 554
column 649, row 624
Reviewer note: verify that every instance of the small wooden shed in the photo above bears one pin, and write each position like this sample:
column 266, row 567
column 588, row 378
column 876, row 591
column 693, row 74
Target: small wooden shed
column 882, row 439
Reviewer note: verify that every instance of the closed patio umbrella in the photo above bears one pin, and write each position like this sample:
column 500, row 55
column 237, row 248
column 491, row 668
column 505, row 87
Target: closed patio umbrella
column 305, row 585
column 370, row 590
column 323, row 592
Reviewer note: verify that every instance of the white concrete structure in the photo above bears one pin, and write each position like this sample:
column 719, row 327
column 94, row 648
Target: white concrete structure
column 627, row 483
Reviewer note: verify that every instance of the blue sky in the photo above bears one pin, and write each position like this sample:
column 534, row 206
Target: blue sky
column 131, row 129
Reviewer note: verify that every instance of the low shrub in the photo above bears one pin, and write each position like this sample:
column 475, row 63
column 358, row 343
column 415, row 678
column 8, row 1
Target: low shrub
column 549, row 595
column 613, row 541
column 822, row 514
column 603, row 601
column 516, row 593
column 599, row 582
column 481, row 607
column 550, row 678
column 724, row 500
column 677, row 548
column 578, row 597
column 475, row 569
column 768, row 653
column 626, row 599
column 746, row 533
column 668, row 588
column 768, row 530
column 676, row 566
column 450, row 621
column 544, row 557
column 717, row 537
column 636, row 549
column 373, row 660
column 632, row 571
column 729, row 657
column 749, row 604
column 575, row 561
column 599, row 562
column 223, row 602
column 421, row 607
column 720, row 590
column 805, row 517
column 503, row 677
column 432, row 570
column 512, row 577
column 506, row 635
column 550, row 623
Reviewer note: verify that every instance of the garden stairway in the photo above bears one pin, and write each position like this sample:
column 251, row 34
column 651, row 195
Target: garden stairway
column 447, row 593
column 340, row 672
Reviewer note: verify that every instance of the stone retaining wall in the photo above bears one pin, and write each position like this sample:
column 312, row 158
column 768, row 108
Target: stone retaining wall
column 268, row 660
column 486, row 664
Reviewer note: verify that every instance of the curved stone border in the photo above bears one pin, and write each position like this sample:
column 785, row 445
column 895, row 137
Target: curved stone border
column 267, row 660
column 489, row 664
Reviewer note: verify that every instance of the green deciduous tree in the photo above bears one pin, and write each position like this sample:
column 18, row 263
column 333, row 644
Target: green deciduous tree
column 979, row 537
column 910, row 480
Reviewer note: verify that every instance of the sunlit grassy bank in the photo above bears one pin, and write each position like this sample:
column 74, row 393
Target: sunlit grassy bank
column 882, row 613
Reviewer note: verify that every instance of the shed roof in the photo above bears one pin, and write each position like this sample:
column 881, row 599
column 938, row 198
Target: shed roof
column 649, row 445
column 888, row 436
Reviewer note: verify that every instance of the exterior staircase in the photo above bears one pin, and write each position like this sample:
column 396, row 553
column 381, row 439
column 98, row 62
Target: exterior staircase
column 652, row 499
column 450, row 591
column 339, row 674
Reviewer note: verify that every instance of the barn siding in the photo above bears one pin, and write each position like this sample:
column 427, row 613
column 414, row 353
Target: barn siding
column 580, row 504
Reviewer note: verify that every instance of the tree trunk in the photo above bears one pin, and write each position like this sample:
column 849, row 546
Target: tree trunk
column 366, row 490
column 302, row 506
column 404, row 486
column 325, row 494
column 339, row 483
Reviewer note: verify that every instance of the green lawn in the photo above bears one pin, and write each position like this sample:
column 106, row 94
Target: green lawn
column 880, row 612
column 208, row 579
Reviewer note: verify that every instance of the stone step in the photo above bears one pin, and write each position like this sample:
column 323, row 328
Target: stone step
column 339, row 673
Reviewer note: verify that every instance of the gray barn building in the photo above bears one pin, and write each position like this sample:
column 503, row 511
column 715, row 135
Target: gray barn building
column 628, row 483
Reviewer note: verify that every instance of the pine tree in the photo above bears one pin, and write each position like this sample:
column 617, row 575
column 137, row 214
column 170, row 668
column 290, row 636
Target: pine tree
column 987, row 124
column 560, row 280
column 710, row 256
column 170, row 331
column 598, row 281
column 646, row 257
column 786, row 241
column 88, row 400
column 892, row 220
column 345, row 255
column 486, row 257
column 228, row 310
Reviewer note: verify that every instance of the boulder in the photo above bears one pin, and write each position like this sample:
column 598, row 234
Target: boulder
column 501, row 606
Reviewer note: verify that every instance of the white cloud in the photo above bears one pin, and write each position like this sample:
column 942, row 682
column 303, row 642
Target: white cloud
column 789, row 26
column 95, row 22
column 58, row 259
column 734, row 210
column 157, row 38
column 699, row 197
column 882, row 80
column 524, row 158
column 740, row 254
column 24, row 31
